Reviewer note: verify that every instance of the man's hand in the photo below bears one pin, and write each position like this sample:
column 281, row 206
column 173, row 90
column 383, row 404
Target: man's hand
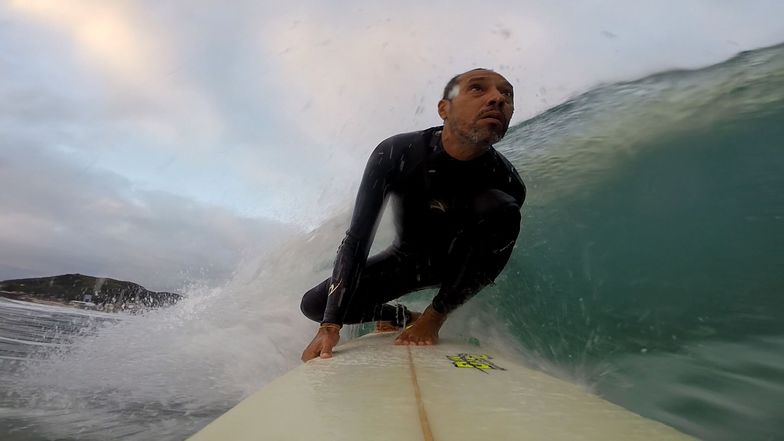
column 322, row 344
column 425, row 329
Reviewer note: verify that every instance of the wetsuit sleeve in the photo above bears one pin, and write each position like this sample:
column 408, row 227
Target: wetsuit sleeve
column 480, row 254
column 515, row 186
column 353, row 251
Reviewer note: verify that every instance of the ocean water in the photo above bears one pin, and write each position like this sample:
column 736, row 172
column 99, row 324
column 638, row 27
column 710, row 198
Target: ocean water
column 650, row 270
column 652, row 258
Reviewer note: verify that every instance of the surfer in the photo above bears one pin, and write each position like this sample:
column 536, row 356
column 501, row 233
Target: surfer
column 456, row 203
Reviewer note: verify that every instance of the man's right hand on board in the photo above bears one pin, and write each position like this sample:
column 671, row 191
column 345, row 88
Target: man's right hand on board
column 327, row 337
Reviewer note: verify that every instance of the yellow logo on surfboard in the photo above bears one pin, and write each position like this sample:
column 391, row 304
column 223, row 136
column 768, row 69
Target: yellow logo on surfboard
column 476, row 361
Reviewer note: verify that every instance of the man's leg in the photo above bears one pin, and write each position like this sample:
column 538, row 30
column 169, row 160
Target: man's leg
column 387, row 276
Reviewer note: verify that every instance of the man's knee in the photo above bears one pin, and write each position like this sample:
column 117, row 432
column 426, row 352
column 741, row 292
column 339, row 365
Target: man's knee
column 315, row 301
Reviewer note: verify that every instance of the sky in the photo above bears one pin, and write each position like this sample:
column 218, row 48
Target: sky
column 164, row 142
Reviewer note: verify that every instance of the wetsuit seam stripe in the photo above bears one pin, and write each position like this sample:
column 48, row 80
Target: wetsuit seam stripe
column 423, row 421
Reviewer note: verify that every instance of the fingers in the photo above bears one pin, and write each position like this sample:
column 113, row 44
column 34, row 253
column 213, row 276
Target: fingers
column 310, row 353
column 413, row 340
column 326, row 350
column 321, row 346
column 320, row 349
column 404, row 339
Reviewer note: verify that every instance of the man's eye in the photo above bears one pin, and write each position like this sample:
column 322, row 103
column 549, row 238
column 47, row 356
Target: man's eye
column 475, row 87
column 509, row 94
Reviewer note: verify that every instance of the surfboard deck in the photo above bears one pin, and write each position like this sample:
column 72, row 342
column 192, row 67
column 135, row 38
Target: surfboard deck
column 373, row 390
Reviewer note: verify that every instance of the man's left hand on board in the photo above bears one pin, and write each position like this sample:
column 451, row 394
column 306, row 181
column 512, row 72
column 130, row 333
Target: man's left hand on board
column 424, row 330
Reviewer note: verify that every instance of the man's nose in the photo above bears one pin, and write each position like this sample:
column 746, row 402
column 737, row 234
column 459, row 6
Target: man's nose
column 496, row 98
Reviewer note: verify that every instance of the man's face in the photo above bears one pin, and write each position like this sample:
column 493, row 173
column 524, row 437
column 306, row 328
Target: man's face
column 481, row 110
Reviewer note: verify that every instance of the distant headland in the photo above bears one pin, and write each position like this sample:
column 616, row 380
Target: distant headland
column 87, row 292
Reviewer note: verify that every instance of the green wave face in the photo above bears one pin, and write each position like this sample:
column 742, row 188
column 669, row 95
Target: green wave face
column 652, row 249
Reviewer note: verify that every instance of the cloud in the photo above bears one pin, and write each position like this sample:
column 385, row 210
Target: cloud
column 309, row 89
column 364, row 76
column 172, row 104
column 59, row 216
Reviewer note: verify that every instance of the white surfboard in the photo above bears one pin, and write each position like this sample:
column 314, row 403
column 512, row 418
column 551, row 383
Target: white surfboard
column 373, row 390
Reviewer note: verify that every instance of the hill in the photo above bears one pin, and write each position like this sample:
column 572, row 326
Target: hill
column 79, row 290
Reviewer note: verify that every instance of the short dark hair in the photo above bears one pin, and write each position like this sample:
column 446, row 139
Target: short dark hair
column 455, row 79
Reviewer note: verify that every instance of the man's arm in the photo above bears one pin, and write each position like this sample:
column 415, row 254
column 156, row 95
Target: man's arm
column 476, row 269
column 353, row 251
column 472, row 279
column 476, row 260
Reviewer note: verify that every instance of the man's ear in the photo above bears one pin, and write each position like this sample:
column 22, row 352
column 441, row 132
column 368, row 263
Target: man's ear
column 443, row 108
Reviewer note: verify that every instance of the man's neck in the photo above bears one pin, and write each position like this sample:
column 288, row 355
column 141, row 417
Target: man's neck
column 461, row 148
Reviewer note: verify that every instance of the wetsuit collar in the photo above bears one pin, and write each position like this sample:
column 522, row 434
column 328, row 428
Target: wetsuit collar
column 438, row 149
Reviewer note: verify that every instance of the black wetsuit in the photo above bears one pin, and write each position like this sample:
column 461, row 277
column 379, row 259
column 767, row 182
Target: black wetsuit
column 456, row 222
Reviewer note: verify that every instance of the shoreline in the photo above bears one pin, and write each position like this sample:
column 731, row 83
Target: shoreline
column 28, row 298
column 25, row 297
column 90, row 293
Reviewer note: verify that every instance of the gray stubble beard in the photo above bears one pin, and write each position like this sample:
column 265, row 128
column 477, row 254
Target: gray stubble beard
column 474, row 135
